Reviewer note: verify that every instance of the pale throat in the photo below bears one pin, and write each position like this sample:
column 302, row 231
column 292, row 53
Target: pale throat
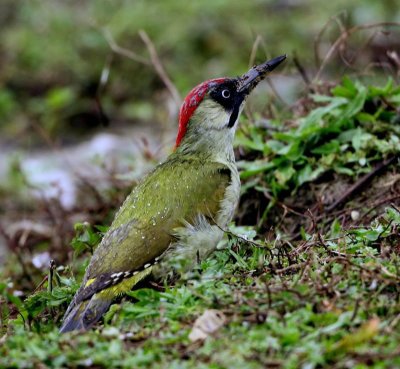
column 214, row 143
column 208, row 133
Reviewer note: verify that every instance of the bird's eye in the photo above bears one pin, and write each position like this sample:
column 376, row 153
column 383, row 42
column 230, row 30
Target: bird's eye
column 226, row 94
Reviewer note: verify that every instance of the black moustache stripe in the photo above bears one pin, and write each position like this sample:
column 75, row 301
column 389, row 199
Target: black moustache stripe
column 234, row 116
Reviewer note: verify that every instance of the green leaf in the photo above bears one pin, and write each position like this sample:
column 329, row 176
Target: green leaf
column 332, row 146
column 284, row 174
column 356, row 104
column 344, row 170
column 60, row 97
column 250, row 169
column 307, row 174
column 361, row 139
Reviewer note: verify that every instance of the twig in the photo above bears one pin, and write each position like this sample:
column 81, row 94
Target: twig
column 320, row 34
column 360, row 183
column 344, row 36
column 285, row 207
column 245, row 240
column 374, row 206
column 105, row 73
column 321, row 241
column 394, row 322
column 275, row 92
column 394, row 57
column 302, row 71
column 52, row 267
column 44, row 135
column 254, row 49
column 355, row 311
column 247, row 109
column 155, row 60
column 41, row 283
column 349, row 62
column 122, row 51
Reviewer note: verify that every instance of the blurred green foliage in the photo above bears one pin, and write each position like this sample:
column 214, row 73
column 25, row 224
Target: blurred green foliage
column 328, row 297
column 55, row 52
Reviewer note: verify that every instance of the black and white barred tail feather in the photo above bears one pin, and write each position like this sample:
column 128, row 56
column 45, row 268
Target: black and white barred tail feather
column 92, row 301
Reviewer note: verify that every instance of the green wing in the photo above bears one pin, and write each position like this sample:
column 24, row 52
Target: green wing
column 176, row 191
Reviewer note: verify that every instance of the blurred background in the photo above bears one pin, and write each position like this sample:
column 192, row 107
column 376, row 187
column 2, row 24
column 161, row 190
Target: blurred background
column 90, row 91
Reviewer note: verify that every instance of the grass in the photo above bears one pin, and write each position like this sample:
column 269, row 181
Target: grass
column 323, row 302
column 308, row 274
column 301, row 281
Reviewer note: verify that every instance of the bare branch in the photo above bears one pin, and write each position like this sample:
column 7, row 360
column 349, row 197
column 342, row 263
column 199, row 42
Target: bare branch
column 254, row 49
column 320, row 34
column 344, row 36
column 155, row 61
column 122, row 51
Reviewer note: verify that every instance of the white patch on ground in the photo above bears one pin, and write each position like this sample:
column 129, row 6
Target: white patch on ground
column 56, row 174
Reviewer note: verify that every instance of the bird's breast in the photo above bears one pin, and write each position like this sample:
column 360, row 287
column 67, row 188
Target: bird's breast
column 231, row 197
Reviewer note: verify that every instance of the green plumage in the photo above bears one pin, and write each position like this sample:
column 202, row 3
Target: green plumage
column 175, row 191
column 177, row 212
column 170, row 197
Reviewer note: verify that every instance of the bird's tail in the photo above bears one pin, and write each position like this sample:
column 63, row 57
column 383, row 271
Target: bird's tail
column 84, row 314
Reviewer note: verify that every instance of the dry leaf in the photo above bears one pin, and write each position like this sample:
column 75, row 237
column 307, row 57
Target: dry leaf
column 205, row 325
column 365, row 333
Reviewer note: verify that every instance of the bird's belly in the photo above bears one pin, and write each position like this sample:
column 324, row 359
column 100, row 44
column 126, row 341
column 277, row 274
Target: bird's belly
column 194, row 243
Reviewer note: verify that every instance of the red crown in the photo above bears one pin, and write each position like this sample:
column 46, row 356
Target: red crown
column 190, row 104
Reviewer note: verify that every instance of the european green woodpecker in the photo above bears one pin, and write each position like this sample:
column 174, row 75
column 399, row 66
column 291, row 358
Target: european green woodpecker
column 177, row 214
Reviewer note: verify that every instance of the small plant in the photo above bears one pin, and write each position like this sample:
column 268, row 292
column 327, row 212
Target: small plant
column 351, row 128
column 87, row 238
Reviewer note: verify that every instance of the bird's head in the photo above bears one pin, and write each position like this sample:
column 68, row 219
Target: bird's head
column 209, row 113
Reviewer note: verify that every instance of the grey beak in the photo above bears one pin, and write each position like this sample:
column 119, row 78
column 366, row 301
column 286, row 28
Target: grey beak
column 249, row 80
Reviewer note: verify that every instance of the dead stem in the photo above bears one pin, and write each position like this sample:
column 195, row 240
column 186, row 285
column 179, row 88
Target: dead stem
column 159, row 68
column 343, row 38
